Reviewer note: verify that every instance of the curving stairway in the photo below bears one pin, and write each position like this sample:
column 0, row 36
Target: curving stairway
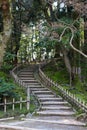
column 54, row 114
column 50, row 105
column 53, row 109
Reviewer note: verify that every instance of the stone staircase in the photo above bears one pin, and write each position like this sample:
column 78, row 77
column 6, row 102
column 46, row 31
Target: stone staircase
column 54, row 114
column 51, row 106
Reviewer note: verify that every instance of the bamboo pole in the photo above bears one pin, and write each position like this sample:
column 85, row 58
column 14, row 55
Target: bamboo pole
column 13, row 107
column 28, row 98
column 5, row 109
column 20, row 103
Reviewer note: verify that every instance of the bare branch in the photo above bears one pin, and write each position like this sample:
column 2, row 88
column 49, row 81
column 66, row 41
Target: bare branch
column 71, row 41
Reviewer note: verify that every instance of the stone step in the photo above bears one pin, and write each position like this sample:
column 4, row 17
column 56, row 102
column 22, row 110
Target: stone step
column 30, row 81
column 27, row 78
column 56, row 113
column 39, row 89
column 26, row 72
column 25, row 75
column 51, row 99
column 54, row 117
column 42, row 92
column 35, row 86
column 12, row 127
column 45, row 95
column 56, row 108
column 60, row 124
column 54, row 103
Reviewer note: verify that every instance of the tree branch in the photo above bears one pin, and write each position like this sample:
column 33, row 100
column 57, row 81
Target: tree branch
column 71, row 41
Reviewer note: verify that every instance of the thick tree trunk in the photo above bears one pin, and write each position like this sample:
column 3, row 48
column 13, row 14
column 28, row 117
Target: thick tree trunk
column 6, row 32
column 67, row 63
column 66, row 60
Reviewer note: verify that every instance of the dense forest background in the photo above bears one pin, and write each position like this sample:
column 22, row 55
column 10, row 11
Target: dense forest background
column 34, row 31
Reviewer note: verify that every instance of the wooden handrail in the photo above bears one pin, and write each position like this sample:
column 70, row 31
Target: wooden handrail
column 65, row 93
column 14, row 102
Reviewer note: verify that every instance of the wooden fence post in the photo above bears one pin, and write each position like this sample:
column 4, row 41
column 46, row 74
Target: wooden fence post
column 28, row 98
column 20, row 103
column 5, row 105
column 66, row 93
column 13, row 107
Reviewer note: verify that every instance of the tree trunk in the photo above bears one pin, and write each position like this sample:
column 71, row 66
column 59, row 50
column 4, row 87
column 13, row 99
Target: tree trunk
column 6, row 32
column 66, row 60
column 67, row 63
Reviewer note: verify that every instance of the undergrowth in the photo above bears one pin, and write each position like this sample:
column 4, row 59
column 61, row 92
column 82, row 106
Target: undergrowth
column 58, row 73
column 9, row 89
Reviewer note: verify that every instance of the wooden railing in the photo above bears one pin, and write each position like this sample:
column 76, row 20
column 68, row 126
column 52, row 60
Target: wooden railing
column 24, row 85
column 6, row 104
column 63, row 92
column 21, row 83
column 16, row 78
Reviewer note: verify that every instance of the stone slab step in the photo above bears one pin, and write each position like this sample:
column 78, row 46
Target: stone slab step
column 54, row 103
column 26, row 72
column 53, row 117
column 29, row 80
column 56, row 113
column 10, row 127
column 70, row 122
column 58, row 105
column 25, row 75
column 42, row 92
column 35, row 86
column 39, row 89
column 56, row 108
column 45, row 95
column 37, row 124
column 51, row 99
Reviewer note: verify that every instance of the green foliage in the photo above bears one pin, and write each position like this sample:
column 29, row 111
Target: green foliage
column 77, row 82
column 66, row 20
column 7, row 62
column 33, row 103
column 66, row 39
column 14, row 113
column 60, row 75
column 6, row 67
column 8, row 57
column 6, row 89
column 3, row 75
